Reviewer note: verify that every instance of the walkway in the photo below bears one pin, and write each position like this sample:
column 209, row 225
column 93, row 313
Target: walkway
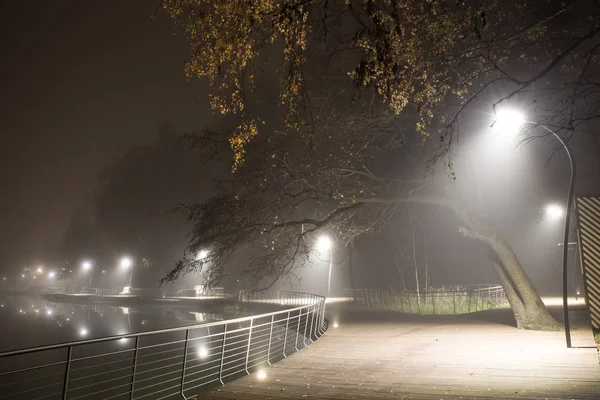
column 385, row 355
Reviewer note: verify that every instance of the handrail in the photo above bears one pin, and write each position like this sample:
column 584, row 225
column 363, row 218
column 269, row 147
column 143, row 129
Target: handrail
column 147, row 333
column 240, row 344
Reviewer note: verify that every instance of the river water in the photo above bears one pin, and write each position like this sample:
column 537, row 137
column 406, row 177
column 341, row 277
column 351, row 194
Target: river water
column 31, row 320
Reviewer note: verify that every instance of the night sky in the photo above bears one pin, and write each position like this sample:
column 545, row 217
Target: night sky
column 81, row 83
column 84, row 82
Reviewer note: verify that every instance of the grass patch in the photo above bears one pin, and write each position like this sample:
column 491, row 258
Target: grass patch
column 428, row 303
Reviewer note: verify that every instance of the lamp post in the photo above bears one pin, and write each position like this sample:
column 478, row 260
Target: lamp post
column 566, row 235
column 86, row 266
column 127, row 263
column 513, row 120
column 324, row 243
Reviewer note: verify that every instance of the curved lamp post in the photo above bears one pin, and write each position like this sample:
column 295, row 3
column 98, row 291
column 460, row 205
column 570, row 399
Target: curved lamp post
column 513, row 120
column 566, row 235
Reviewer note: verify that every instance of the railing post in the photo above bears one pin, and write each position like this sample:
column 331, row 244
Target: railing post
column 249, row 343
column 185, row 352
column 453, row 303
column 67, row 369
column 322, row 323
column 312, row 321
column 135, row 357
column 433, row 301
column 222, row 355
column 305, row 327
column 287, row 323
column 298, row 330
column 270, row 340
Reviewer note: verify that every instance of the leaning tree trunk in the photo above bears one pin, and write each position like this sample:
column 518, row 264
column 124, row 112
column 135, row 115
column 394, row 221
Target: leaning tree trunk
column 514, row 300
column 528, row 308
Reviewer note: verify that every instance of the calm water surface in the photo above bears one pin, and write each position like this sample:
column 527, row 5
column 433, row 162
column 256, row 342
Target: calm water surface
column 31, row 320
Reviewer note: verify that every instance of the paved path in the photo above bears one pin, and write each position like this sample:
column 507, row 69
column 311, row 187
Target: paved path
column 386, row 355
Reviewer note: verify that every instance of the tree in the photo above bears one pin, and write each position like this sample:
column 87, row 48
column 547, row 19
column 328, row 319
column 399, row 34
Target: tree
column 433, row 58
column 361, row 83
column 129, row 211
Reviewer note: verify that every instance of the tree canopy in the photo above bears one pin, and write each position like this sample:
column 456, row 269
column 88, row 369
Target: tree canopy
column 432, row 58
column 336, row 105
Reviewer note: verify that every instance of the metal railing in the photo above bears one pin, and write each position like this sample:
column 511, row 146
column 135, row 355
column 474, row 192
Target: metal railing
column 430, row 302
column 168, row 363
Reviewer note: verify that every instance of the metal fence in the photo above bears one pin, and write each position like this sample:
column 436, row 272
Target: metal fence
column 458, row 301
column 168, row 363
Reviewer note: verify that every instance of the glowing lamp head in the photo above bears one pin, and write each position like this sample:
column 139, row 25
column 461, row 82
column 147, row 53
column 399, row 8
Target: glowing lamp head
column 554, row 211
column 40, row 270
column 51, row 275
column 508, row 122
column 324, row 243
column 202, row 254
column 83, row 332
column 86, row 265
column 126, row 262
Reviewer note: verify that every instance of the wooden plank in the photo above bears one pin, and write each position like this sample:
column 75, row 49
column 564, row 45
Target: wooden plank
column 385, row 355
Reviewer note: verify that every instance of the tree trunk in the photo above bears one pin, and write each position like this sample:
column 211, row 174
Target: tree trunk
column 514, row 280
column 513, row 298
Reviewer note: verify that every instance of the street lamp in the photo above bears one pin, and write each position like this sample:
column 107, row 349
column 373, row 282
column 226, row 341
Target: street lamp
column 511, row 121
column 508, row 122
column 202, row 254
column 127, row 263
column 554, row 211
column 324, row 243
column 51, row 275
column 87, row 266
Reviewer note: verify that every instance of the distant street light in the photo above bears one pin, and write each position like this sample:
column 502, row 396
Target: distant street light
column 51, row 275
column 127, row 263
column 554, row 211
column 512, row 120
column 40, row 270
column 202, row 254
column 324, row 243
column 87, row 266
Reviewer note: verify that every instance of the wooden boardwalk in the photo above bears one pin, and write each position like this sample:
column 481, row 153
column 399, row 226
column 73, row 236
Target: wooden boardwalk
column 386, row 355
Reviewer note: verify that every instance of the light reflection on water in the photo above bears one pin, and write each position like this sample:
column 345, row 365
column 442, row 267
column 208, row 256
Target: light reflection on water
column 30, row 320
